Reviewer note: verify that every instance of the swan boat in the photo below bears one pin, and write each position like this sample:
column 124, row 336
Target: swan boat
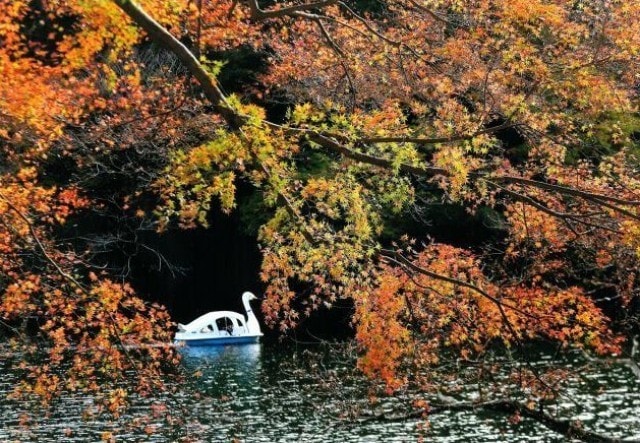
column 221, row 327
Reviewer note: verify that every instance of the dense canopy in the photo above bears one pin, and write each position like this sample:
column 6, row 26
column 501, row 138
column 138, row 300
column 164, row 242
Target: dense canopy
column 356, row 123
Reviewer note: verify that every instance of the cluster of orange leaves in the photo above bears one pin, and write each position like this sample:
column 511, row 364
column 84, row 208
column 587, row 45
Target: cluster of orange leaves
column 92, row 331
column 412, row 318
column 74, row 330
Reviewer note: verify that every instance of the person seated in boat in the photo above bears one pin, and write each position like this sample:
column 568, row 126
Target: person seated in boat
column 207, row 329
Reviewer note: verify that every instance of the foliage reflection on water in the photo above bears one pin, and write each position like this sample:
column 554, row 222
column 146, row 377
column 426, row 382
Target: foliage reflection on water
column 258, row 393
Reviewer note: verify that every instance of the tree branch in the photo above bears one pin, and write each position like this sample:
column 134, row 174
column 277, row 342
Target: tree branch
column 429, row 171
column 40, row 246
column 160, row 35
column 68, row 277
column 429, row 12
column 567, row 428
column 565, row 190
column 326, row 142
column 436, row 140
column 260, row 14
column 565, row 216
column 406, row 263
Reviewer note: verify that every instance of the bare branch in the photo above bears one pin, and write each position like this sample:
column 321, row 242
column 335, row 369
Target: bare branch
column 578, row 218
column 260, row 14
column 569, row 428
column 41, row 248
column 330, row 40
column 596, row 198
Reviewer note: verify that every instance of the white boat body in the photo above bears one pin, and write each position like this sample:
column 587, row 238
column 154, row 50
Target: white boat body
column 222, row 327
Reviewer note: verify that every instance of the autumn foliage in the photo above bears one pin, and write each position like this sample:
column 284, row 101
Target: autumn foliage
column 518, row 109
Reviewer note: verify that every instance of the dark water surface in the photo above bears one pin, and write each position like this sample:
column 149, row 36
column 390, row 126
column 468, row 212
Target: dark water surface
column 259, row 393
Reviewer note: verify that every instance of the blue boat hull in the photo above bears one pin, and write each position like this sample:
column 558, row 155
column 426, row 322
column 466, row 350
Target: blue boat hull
column 221, row 341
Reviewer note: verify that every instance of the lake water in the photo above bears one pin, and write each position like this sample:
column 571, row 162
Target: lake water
column 277, row 393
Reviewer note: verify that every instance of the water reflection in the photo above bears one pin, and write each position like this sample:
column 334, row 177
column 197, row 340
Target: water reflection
column 247, row 354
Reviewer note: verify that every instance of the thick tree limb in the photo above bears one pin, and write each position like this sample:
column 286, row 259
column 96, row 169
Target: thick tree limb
column 215, row 96
column 160, row 35
column 609, row 201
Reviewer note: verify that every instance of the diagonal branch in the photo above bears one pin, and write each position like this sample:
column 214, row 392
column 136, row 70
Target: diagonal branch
column 591, row 196
column 160, row 35
column 68, row 277
column 609, row 201
column 407, row 264
column 330, row 40
column 569, row 428
column 430, row 13
column 566, row 216
column 40, row 246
